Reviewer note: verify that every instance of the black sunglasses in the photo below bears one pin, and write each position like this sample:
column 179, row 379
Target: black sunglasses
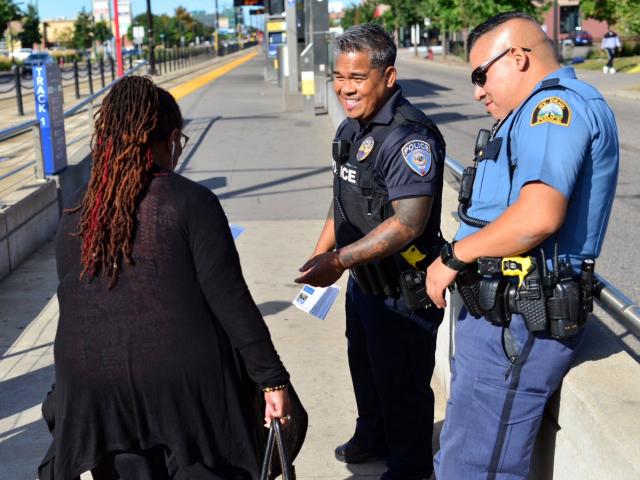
column 183, row 140
column 479, row 74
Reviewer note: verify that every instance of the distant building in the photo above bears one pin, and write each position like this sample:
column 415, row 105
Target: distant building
column 571, row 19
column 102, row 12
column 59, row 30
column 207, row 19
column 336, row 12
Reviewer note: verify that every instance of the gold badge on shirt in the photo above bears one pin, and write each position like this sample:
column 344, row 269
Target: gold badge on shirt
column 365, row 149
column 551, row 110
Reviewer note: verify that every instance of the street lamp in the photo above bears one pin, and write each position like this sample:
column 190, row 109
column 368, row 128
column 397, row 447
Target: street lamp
column 152, row 58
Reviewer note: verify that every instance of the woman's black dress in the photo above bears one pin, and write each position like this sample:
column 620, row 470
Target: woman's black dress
column 153, row 361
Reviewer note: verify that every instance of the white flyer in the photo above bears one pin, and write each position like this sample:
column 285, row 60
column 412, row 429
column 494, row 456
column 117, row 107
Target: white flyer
column 316, row 301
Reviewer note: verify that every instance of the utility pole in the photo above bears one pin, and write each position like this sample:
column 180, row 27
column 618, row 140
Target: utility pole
column 152, row 58
column 556, row 25
column 116, row 24
column 216, row 33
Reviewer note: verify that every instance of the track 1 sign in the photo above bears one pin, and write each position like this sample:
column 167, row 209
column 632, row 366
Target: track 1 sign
column 47, row 87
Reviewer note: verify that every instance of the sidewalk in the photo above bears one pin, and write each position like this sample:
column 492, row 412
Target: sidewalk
column 17, row 153
column 272, row 172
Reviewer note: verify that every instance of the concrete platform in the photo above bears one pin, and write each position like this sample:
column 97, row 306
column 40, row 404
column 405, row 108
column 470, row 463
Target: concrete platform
column 271, row 170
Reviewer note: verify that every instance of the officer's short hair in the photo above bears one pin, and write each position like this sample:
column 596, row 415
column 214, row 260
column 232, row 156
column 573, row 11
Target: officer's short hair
column 372, row 39
column 493, row 23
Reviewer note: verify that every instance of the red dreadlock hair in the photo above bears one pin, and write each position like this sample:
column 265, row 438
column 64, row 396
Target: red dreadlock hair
column 134, row 115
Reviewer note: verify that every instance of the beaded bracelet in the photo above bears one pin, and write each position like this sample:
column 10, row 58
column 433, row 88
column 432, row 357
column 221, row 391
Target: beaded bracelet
column 274, row 389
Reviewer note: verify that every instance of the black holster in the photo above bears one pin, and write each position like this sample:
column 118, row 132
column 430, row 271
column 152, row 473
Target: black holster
column 468, row 285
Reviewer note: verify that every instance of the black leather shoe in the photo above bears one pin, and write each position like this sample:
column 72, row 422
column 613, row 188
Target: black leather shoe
column 352, row 452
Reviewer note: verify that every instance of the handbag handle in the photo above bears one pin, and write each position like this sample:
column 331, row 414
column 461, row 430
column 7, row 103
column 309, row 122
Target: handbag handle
column 276, row 439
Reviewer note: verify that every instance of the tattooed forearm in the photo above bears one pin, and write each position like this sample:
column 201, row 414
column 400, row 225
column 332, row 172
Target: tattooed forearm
column 407, row 223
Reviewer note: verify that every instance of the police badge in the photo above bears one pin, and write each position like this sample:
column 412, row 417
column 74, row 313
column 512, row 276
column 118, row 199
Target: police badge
column 417, row 154
column 365, row 149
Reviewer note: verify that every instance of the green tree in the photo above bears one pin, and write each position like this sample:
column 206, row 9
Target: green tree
column 357, row 14
column 8, row 11
column 83, row 30
column 625, row 13
column 174, row 27
column 101, row 32
column 463, row 15
column 630, row 16
column 602, row 10
column 30, row 23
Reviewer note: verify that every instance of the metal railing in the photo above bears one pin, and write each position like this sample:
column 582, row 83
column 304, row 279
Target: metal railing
column 30, row 125
column 26, row 126
column 624, row 310
column 90, row 73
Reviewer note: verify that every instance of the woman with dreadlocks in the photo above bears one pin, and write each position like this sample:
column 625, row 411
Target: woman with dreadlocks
column 153, row 309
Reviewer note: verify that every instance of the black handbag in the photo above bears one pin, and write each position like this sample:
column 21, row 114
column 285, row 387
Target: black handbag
column 276, row 441
column 286, row 441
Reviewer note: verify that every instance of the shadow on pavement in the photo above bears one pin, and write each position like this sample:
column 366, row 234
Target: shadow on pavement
column 197, row 130
column 25, row 391
column 24, row 293
column 414, row 87
column 593, row 348
column 25, row 447
column 375, row 469
column 451, row 117
column 214, row 182
column 273, row 307
column 282, row 192
column 258, row 186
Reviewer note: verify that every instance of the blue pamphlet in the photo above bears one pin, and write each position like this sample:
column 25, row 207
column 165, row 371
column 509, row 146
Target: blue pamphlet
column 236, row 230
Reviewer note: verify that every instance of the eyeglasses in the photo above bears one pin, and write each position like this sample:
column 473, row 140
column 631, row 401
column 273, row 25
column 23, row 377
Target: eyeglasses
column 479, row 74
column 183, row 140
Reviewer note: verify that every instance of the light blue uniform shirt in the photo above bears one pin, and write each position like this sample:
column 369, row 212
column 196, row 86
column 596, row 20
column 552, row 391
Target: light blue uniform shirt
column 565, row 136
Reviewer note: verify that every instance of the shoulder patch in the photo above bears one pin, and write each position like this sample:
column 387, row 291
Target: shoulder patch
column 551, row 110
column 417, row 154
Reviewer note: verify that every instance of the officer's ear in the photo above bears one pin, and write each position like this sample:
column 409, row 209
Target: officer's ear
column 390, row 76
column 520, row 58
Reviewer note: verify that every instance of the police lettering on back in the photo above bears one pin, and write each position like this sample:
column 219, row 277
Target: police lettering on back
column 347, row 174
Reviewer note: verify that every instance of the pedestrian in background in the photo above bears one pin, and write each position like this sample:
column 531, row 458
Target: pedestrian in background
column 155, row 316
column 543, row 190
column 611, row 44
column 383, row 226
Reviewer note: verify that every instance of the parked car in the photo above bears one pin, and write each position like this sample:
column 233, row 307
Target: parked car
column 580, row 38
column 39, row 58
column 21, row 54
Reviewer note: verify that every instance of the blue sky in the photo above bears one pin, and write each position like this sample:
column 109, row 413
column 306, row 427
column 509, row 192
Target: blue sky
column 69, row 8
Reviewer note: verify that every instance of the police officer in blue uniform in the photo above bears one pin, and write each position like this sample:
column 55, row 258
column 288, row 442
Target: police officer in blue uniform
column 532, row 226
column 384, row 227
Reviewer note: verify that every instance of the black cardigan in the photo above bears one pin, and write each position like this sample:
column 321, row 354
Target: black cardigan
column 153, row 361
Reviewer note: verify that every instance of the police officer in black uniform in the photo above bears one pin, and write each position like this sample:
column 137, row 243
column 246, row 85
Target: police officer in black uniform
column 384, row 227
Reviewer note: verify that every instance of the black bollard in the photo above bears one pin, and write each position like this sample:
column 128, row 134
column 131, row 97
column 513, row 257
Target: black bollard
column 113, row 70
column 19, row 91
column 76, row 79
column 102, row 71
column 90, row 76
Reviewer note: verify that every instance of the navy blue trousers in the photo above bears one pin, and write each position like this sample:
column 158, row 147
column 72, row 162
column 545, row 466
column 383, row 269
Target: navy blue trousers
column 391, row 357
column 495, row 407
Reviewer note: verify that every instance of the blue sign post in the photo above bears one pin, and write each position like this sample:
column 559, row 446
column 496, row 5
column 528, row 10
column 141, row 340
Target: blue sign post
column 47, row 87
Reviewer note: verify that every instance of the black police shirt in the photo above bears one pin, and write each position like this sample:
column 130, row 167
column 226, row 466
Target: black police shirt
column 410, row 166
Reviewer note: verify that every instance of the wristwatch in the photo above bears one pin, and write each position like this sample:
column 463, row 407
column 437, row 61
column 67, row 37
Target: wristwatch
column 449, row 258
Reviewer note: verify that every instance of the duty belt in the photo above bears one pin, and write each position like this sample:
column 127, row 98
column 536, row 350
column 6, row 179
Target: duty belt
column 555, row 302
